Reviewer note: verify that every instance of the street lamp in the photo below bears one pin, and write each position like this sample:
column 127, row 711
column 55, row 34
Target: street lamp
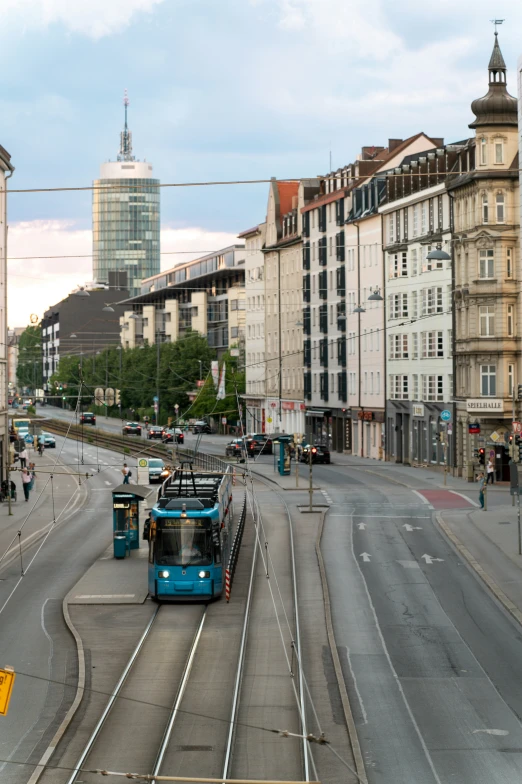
column 359, row 309
column 108, row 308
column 438, row 254
column 375, row 296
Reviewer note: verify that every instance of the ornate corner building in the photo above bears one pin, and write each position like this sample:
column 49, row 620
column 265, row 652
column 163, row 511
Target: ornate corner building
column 484, row 191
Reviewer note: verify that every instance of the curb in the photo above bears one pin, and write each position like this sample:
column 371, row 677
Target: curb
column 60, row 732
column 497, row 592
column 345, row 700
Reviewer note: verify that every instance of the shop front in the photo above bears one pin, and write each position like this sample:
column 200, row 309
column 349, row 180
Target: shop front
column 418, row 435
column 368, row 432
column 331, row 427
column 255, row 415
column 483, row 431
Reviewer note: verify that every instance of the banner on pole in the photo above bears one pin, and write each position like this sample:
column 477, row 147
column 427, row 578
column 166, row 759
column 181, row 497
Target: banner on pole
column 215, row 372
column 221, row 388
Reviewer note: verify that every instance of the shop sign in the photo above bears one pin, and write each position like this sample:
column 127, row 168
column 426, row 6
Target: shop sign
column 474, row 427
column 367, row 415
column 287, row 406
column 418, row 409
column 485, row 404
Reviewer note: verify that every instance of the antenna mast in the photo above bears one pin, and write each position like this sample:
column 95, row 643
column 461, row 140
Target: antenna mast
column 126, row 135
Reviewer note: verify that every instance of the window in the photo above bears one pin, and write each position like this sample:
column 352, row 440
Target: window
column 414, row 262
column 432, row 344
column 391, row 228
column 399, row 265
column 371, row 383
column 415, row 345
column 486, row 264
column 414, row 304
column 233, row 304
column 483, row 151
column 378, row 383
column 432, row 301
column 433, row 388
column 415, row 220
column 398, row 305
column 365, row 385
column 499, row 152
column 488, row 380
column 511, row 379
column 509, row 263
column 500, row 207
column 398, row 346
column 399, row 387
column 486, row 321
column 510, row 321
column 415, row 386
column 485, row 209
column 423, row 218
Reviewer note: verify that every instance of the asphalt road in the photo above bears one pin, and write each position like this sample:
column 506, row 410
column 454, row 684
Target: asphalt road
column 433, row 666
column 34, row 638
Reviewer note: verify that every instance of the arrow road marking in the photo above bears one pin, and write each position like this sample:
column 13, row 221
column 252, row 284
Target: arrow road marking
column 361, row 526
column 365, row 556
column 429, row 558
column 412, row 527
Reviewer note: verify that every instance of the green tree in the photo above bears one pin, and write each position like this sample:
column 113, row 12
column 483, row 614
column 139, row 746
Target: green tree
column 29, row 368
column 206, row 403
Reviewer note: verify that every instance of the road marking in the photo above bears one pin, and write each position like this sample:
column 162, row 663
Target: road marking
column 108, row 483
column 412, row 527
column 466, row 498
column 392, row 668
column 365, row 556
column 354, row 679
column 409, row 564
column 361, row 526
column 422, row 498
column 384, row 517
column 430, row 559
column 492, row 732
column 105, row 596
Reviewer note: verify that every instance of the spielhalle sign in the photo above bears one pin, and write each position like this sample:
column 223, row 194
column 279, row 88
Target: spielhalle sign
column 486, row 405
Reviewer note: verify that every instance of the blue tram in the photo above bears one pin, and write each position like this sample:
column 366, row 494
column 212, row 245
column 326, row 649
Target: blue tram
column 189, row 537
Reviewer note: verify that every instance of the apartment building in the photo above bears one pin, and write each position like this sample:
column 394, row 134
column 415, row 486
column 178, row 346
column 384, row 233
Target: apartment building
column 419, row 314
column 255, row 397
column 206, row 295
column 486, row 207
column 344, row 352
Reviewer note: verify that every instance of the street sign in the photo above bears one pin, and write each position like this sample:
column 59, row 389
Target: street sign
column 155, row 407
column 155, row 399
column 494, row 436
column 7, row 679
column 517, row 427
column 223, row 420
column 474, row 427
column 445, row 415
column 450, row 428
column 492, row 453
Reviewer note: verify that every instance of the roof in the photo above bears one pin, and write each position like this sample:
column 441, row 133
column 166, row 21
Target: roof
column 287, row 191
column 247, row 232
column 139, row 490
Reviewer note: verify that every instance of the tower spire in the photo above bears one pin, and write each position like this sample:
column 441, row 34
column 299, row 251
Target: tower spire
column 497, row 107
column 126, row 135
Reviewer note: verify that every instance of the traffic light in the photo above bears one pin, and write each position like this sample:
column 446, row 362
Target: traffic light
column 482, row 456
column 117, row 397
column 518, row 449
column 520, row 391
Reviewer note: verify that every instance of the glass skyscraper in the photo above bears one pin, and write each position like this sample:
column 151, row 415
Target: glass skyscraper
column 126, row 218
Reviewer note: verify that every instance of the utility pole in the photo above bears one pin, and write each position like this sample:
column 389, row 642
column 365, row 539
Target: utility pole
column 311, row 487
column 280, row 339
column 157, row 376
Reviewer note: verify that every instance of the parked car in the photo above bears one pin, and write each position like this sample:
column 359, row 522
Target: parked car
column 154, row 431
column 320, row 454
column 132, row 429
column 156, row 468
column 264, row 441
column 87, row 418
column 235, row 448
column 49, row 440
column 201, row 427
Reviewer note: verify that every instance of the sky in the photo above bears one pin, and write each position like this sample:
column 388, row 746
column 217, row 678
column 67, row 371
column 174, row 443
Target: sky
column 228, row 90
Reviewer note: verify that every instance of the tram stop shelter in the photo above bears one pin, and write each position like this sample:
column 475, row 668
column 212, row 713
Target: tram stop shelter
column 125, row 517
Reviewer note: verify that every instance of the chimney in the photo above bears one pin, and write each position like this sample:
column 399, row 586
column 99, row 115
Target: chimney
column 393, row 144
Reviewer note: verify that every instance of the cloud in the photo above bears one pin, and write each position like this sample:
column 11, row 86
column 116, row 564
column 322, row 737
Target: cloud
column 93, row 18
column 35, row 283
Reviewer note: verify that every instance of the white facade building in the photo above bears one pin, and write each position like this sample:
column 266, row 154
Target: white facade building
column 255, row 397
column 419, row 312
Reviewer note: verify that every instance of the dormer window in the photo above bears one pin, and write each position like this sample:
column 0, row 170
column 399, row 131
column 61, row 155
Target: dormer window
column 500, row 208
column 483, row 151
column 499, row 152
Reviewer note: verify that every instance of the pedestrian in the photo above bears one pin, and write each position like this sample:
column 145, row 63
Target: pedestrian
column 26, row 483
column 480, row 478
column 126, row 474
column 490, row 469
column 23, row 457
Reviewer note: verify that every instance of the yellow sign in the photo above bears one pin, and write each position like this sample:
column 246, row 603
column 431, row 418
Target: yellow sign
column 269, row 419
column 143, row 463
column 495, row 436
column 7, row 678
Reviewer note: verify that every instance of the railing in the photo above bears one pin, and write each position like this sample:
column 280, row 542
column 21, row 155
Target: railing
column 234, row 551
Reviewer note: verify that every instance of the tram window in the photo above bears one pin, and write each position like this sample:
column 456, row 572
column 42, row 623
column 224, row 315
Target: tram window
column 217, row 553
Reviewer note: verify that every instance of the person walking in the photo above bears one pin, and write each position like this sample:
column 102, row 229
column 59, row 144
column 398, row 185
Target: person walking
column 26, row 483
column 126, row 474
column 481, row 481
column 23, row 457
column 490, row 469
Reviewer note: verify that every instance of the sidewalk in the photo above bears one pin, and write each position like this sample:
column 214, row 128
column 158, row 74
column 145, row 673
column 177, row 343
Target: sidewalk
column 38, row 511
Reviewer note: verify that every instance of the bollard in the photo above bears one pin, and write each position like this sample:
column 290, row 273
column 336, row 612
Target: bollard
column 227, row 584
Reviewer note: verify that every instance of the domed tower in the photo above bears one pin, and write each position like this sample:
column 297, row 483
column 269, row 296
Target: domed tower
column 496, row 118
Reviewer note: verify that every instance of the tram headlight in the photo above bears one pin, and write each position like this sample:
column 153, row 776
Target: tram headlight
column 164, row 573
column 202, row 575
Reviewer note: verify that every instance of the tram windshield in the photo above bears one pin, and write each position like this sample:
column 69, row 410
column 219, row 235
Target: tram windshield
column 183, row 547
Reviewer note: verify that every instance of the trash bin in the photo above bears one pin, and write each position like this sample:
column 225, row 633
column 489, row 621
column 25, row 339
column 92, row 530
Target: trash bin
column 120, row 546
